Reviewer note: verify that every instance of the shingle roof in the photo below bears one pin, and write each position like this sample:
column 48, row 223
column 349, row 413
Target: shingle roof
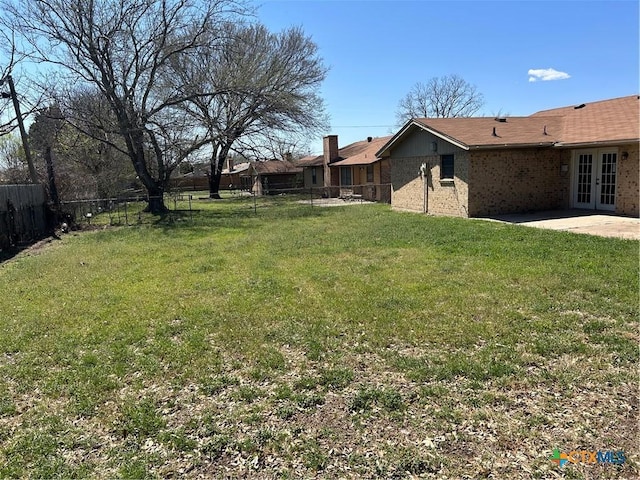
column 310, row 161
column 607, row 121
column 488, row 132
column 361, row 153
column 239, row 168
column 271, row 167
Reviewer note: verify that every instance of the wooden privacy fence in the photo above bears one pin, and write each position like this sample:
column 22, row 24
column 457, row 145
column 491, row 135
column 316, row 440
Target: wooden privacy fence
column 23, row 215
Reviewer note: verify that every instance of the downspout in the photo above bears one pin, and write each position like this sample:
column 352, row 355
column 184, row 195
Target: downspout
column 425, row 187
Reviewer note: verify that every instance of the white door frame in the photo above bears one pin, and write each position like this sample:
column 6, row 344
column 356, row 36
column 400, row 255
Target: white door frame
column 596, row 193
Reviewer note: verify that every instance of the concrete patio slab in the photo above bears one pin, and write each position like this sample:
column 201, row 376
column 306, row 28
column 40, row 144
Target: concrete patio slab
column 578, row 221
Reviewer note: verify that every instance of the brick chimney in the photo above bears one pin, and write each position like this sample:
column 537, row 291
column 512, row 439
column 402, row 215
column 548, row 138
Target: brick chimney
column 330, row 148
column 230, row 163
column 330, row 154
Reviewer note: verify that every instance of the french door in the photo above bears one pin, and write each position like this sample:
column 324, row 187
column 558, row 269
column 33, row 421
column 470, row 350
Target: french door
column 594, row 184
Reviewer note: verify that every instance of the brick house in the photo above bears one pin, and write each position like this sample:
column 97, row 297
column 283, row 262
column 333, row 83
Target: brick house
column 583, row 156
column 313, row 171
column 271, row 177
column 355, row 168
column 231, row 177
column 198, row 179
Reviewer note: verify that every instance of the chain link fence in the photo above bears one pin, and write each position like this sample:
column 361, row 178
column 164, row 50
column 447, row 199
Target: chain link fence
column 120, row 211
column 319, row 196
column 184, row 205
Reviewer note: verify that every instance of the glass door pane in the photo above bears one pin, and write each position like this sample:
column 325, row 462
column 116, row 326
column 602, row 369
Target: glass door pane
column 607, row 193
column 584, row 178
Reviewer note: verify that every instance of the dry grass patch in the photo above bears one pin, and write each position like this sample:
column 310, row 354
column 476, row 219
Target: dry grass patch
column 330, row 343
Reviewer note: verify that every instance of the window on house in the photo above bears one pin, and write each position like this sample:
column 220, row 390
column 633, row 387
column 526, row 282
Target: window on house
column 314, row 176
column 446, row 167
column 370, row 173
column 345, row 176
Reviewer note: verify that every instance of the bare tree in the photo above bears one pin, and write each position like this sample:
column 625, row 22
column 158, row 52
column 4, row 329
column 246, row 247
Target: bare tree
column 267, row 86
column 7, row 115
column 92, row 143
column 9, row 92
column 72, row 163
column 13, row 165
column 8, row 119
column 123, row 47
column 288, row 146
column 441, row 97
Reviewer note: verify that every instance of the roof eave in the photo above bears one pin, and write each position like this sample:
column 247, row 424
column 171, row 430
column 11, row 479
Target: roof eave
column 346, row 162
column 447, row 138
column 597, row 143
column 403, row 131
column 380, row 153
column 511, row 145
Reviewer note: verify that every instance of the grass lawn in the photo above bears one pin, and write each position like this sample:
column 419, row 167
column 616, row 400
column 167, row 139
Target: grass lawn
column 298, row 342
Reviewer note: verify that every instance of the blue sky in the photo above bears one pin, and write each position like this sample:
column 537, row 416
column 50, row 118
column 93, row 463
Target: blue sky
column 376, row 51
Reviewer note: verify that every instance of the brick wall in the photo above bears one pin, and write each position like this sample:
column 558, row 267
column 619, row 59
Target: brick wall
column 565, row 178
column 445, row 197
column 385, row 181
column 517, row 180
column 407, row 190
column 441, row 197
column 628, row 187
column 504, row 181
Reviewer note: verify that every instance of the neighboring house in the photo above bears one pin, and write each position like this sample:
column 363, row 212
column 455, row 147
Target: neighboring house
column 197, row 179
column 355, row 169
column 313, row 171
column 272, row 177
column 232, row 176
column 583, row 156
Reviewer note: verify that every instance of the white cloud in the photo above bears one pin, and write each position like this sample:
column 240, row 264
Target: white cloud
column 546, row 74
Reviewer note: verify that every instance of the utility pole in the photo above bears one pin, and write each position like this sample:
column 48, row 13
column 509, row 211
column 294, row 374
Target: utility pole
column 23, row 132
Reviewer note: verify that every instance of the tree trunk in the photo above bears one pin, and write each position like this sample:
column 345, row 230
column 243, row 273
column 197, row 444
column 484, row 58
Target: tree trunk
column 155, row 189
column 217, row 162
column 214, row 184
column 51, row 176
column 155, row 202
column 155, row 195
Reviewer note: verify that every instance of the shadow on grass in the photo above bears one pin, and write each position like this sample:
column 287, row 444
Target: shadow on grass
column 13, row 251
column 9, row 253
column 234, row 213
